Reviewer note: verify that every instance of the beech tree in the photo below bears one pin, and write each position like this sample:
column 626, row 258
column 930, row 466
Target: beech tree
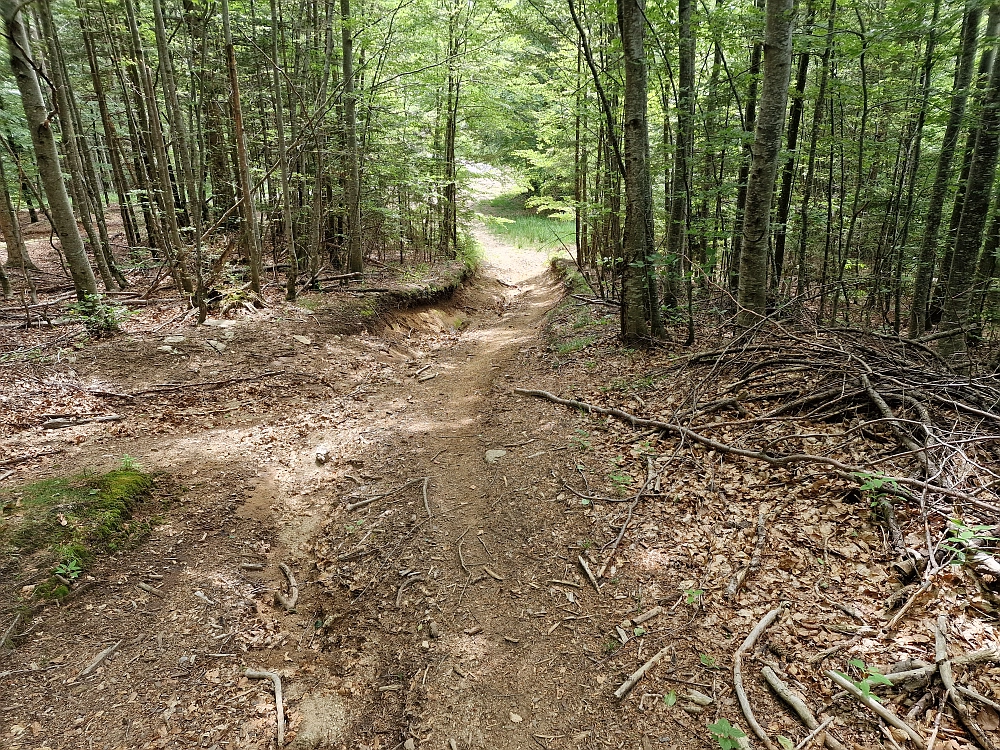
column 752, row 297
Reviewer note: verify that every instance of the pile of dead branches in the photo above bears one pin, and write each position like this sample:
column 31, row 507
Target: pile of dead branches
column 887, row 414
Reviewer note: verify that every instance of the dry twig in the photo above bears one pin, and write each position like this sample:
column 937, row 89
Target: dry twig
column 741, row 694
column 278, row 705
column 877, row 708
column 799, row 706
column 100, row 659
column 288, row 602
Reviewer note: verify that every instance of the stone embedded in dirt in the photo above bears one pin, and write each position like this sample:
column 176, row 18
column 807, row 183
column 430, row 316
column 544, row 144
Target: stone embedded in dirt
column 167, row 349
column 217, row 345
column 174, row 339
column 322, row 455
column 303, row 339
column 432, row 629
column 492, row 456
column 516, row 718
column 410, row 745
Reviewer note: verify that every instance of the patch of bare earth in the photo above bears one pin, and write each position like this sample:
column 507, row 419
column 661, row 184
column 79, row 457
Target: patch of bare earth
column 439, row 528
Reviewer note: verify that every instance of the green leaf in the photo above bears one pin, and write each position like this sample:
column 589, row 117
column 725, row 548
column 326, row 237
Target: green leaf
column 708, row 661
column 670, row 698
column 785, row 743
column 640, row 631
column 876, row 678
column 859, row 664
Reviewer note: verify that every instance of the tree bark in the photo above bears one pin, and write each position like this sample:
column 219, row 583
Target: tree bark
column 982, row 169
column 640, row 309
column 251, row 237
column 355, row 261
column 788, row 170
column 939, row 188
column 752, row 297
column 46, row 153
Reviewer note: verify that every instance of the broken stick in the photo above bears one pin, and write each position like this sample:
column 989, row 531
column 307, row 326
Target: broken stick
column 273, row 677
column 370, row 500
column 741, row 694
column 799, row 706
column 590, row 575
column 288, row 602
column 100, row 659
column 877, row 708
column 948, row 680
column 626, row 687
column 741, row 576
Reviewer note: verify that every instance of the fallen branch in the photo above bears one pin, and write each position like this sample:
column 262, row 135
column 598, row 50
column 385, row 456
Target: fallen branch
column 948, row 680
column 814, row 733
column 288, row 602
column 589, row 573
column 58, row 424
column 846, row 471
column 150, row 590
column 100, row 659
column 799, row 706
column 427, row 505
column 279, row 707
column 876, row 707
column 167, row 387
column 370, row 500
column 741, row 694
column 6, row 635
column 741, row 576
column 991, row 653
column 626, row 687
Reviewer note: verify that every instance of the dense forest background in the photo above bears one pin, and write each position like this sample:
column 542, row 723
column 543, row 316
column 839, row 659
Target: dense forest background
column 832, row 159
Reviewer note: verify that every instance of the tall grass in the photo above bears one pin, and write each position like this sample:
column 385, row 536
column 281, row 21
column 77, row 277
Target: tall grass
column 508, row 219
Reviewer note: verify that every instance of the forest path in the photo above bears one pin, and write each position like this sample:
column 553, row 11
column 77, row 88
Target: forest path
column 524, row 653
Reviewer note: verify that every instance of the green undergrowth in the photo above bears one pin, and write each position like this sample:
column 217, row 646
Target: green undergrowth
column 510, row 220
column 57, row 527
column 573, row 327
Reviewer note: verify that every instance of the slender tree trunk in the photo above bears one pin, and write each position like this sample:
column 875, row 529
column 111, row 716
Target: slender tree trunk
column 792, row 144
column 17, row 251
column 749, row 127
column 640, row 310
column 46, row 154
column 807, row 183
column 982, row 170
column 939, row 188
column 248, row 211
column 766, row 149
column 913, row 165
column 355, row 261
column 286, row 199
column 986, row 61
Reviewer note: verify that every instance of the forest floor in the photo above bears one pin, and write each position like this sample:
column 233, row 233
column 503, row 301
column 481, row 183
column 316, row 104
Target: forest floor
column 455, row 609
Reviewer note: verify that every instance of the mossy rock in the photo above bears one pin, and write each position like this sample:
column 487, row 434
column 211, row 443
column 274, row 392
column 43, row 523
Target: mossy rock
column 63, row 524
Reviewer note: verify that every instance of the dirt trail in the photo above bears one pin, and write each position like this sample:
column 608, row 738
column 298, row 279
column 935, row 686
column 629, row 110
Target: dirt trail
column 474, row 625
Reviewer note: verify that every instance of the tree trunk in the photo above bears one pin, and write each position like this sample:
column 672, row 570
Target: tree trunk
column 355, row 261
column 749, row 126
column 640, row 309
column 46, row 154
column 286, row 199
column 788, row 170
column 982, row 169
column 251, row 240
column 939, row 188
column 752, row 296
column 17, row 251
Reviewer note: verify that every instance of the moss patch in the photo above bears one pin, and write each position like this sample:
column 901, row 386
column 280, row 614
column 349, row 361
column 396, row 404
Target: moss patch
column 60, row 525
